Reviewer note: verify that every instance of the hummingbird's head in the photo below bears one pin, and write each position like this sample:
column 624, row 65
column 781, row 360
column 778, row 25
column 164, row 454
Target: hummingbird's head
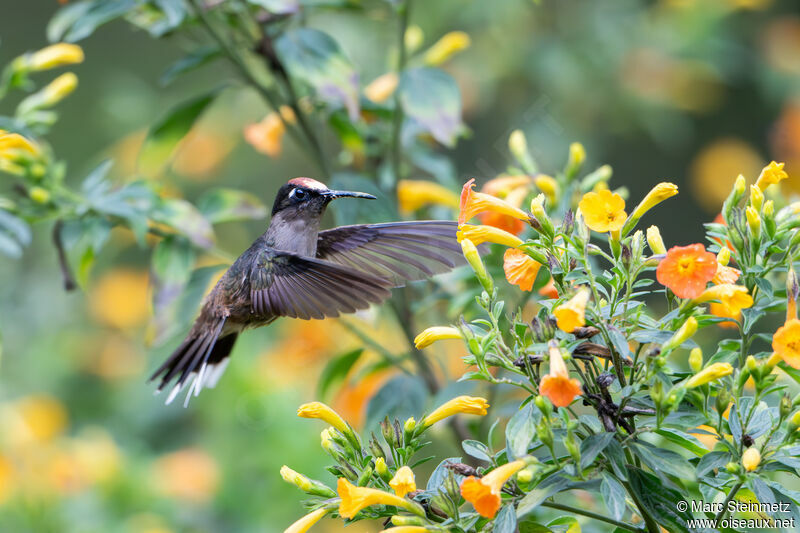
column 308, row 197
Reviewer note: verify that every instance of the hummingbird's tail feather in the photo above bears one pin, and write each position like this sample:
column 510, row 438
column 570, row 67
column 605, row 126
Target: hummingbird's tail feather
column 200, row 359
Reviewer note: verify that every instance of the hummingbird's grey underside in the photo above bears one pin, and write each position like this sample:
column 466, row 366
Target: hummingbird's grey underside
column 294, row 270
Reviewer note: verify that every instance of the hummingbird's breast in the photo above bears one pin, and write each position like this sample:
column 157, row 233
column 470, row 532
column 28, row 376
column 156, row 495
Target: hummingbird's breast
column 295, row 234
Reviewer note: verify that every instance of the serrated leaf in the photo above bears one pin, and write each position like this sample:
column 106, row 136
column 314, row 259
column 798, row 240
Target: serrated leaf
column 431, row 97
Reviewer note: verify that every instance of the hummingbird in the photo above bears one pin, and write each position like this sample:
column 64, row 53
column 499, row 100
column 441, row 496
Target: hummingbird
column 295, row 270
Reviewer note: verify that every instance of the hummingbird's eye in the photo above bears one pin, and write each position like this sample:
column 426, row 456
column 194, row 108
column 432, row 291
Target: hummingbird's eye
column 298, row 194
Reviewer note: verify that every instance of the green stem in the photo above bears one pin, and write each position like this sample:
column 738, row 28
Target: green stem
column 397, row 123
column 731, row 495
column 590, row 514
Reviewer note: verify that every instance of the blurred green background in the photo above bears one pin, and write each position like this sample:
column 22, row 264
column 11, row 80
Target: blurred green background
column 690, row 91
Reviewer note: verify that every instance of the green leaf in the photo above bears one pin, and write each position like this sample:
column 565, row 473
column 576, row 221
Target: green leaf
column 78, row 21
column 529, row 526
column 278, row 7
column 337, row 369
column 195, row 59
column 440, row 473
column 613, row 495
column 683, row 440
column 172, row 261
column 165, row 135
column 658, row 500
column 186, row 220
column 316, row 58
column 431, row 97
column 478, row 450
column 9, row 246
column 573, row 526
column 158, row 17
column 592, row 446
column 401, row 397
column 228, row 205
column 665, row 461
column 506, row 520
column 534, row 498
column 712, row 460
column 520, row 431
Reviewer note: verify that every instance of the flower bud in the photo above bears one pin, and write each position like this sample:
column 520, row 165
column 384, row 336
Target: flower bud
column 543, row 405
column 436, row 333
column 724, row 256
column 52, row 56
column 544, row 433
column 657, row 393
column 540, row 215
column 756, row 197
column 696, row 360
column 754, row 223
column 50, row 95
column 733, row 468
column 573, row 448
column 39, row 195
column 657, row 194
column 655, row 241
column 751, row 458
column 413, row 38
column 382, row 469
column 375, row 447
column 400, row 521
column 735, row 196
column 518, row 146
column 309, row 486
column 408, row 429
column 723, row 400
column 577, row 155
column 526, row 475
column 450, row 44
column 793, row 423
column 548, row 186
column 751, row 363
column 601, row 175
column 365, row 476
column 388, row 433
column 785, row 406
column 474, row 259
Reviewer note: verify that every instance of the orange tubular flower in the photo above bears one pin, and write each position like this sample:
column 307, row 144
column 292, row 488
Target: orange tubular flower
column 603, row 211
column 520, row 269
column 557, row 386
column 484, row 493
column 786, row 342
column 473, row 203
column 686, row 270
column 549, row 290
column 725, row 275
column 571, row 315
column 723, row 311
column 513, row 189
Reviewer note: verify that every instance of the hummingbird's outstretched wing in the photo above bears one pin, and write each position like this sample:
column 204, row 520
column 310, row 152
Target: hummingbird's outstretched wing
column 399, row 251
column 286, row 284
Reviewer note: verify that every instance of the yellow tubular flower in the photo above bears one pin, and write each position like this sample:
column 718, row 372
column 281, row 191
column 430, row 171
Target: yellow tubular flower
column 655, row 241
column 323, row 412
column 381, row 468
column 577, row 155
column 548, row 186
column 657, row 194
column 504, row 184
column 463, row 405
column 11, row 143
column 571, row 315
column 53, row 93
column 435, row 333
column 683, row 334
column 472, row 203
column 415, row 194
column 305, row 523
column 481, row 234
column 354, row 499
column 53, row 56
column 382, row 87
column 733, row 297
column 709, row 374
column 403, row 481
column 443, row 49
column 751, row 458
column 770, row 175
column 756, row 197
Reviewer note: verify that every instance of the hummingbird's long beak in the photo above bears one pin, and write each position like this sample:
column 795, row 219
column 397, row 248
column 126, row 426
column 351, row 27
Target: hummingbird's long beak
column 348, row 194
